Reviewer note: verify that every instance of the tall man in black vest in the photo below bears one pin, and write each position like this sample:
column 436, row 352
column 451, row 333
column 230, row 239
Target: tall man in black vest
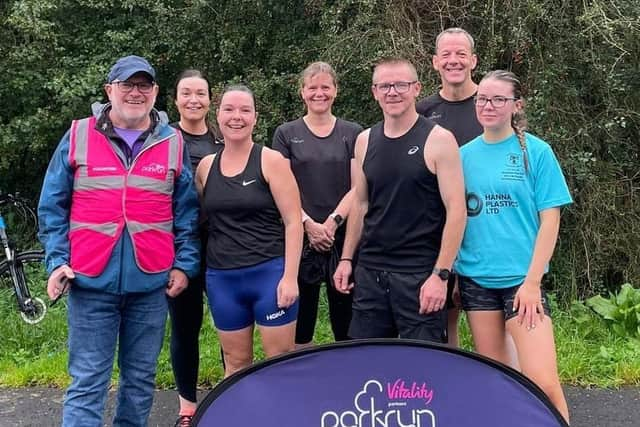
column 408, row 216
column 453, row 108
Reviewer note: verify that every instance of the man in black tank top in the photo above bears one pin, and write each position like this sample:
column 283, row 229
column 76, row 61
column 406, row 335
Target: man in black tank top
column 408, row 216
column 453, row 108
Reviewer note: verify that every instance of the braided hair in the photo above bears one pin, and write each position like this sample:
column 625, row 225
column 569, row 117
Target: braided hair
column 518, row 119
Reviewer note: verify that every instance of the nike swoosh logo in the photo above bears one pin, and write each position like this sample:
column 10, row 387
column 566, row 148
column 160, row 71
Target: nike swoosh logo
column 245, row 183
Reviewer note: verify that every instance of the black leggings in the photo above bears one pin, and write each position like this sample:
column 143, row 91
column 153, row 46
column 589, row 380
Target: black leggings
column 339, row 311
column 186, row 320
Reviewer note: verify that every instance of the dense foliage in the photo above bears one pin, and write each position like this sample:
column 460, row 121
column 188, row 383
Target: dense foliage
column 579, row 59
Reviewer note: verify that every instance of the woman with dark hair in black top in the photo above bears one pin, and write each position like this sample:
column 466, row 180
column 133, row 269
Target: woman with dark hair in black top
column 192, row 98
column 320, row 149
column 255, row 237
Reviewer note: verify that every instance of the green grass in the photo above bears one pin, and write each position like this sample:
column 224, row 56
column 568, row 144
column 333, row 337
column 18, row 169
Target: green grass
column 589, row 354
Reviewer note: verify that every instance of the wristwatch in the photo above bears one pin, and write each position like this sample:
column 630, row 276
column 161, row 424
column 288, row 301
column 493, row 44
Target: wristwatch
column 442, row 273
column 337, row 218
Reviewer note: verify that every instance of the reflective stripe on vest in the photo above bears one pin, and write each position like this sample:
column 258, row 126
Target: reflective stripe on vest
column 107, row 197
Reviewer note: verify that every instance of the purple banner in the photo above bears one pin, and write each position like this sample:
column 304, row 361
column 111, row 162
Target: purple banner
column 378, row 383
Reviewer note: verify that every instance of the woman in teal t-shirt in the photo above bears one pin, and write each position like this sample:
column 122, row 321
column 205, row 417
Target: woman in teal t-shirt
column 515, row 189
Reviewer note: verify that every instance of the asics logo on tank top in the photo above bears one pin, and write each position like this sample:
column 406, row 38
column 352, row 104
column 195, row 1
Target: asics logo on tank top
column 245, row 183
column 413, row 150
column 296, row 140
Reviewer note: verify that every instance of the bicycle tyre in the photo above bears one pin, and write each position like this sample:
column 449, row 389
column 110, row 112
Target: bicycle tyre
column 36, row 308
column 23, row 257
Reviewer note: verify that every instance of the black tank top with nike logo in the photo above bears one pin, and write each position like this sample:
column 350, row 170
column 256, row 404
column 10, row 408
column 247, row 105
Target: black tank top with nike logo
column 245, row 227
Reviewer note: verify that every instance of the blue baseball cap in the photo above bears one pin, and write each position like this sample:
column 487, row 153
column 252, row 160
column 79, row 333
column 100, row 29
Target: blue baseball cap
column 127, row 66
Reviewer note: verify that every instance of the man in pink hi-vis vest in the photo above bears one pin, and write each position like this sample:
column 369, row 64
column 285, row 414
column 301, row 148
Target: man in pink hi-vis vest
column 118, row 220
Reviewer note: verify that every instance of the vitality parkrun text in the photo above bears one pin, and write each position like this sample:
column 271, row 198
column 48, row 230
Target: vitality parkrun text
column 390, row 406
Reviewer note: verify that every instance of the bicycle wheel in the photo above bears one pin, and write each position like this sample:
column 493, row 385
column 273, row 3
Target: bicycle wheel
column 29, row 273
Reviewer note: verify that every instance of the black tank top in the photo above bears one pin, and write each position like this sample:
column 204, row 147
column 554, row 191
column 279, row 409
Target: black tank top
column 245, row 227
column 403, row 225
column 459, row 117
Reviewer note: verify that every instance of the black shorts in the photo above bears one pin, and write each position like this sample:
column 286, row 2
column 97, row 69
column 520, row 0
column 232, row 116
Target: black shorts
column 476, row 298
column 386, row 305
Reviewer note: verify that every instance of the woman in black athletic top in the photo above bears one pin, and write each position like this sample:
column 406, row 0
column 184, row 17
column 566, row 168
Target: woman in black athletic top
column 192, row 98
column 320, row 148
column 255, row 237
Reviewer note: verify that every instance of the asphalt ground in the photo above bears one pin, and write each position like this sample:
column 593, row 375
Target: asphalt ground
column 42, row 407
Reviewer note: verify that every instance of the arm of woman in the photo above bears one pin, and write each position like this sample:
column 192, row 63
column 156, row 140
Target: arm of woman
column 319, row 237
column 344, row 206
column 341, row 209
column 285, row 193
column 528, row 298
column 359, row 206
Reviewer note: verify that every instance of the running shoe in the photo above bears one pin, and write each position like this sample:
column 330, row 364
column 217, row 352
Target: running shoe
column 183, row 421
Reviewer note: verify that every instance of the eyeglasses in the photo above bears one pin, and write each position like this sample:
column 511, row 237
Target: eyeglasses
column 400, row 87
column 126, row 87
column 496, row 101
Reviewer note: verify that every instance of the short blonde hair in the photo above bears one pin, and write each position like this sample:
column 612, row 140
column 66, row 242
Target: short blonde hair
column 395, row 61
column 456, row 30
column 315, row 68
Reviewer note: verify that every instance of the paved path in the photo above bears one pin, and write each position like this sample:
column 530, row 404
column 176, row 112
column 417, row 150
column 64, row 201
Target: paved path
column 41, row 407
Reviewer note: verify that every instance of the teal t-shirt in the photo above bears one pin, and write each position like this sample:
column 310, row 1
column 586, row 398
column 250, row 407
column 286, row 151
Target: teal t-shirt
column 503, row 202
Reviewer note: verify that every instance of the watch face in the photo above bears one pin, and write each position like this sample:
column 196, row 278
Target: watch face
column 444, row 274
column 338, row 219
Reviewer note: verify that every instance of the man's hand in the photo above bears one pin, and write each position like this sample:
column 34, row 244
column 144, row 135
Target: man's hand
column 433, row 294
column 178, row 282
column 342, row 275
column 58, row 281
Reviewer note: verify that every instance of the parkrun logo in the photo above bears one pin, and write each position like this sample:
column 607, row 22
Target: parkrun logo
column 154, row 168
column 396, row 405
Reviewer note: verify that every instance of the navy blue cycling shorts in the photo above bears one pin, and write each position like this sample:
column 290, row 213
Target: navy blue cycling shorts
column 239, row 297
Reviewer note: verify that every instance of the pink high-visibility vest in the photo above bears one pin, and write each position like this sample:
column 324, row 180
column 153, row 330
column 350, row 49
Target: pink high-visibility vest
column 107, row 197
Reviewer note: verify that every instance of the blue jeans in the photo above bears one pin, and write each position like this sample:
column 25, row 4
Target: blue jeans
column 97, row 321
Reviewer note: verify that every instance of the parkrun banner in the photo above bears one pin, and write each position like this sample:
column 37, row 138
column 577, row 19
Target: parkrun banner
column 377, row 383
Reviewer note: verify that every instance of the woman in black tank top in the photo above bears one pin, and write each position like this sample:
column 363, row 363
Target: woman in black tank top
column 253, row 205
column 320, row 148
column 192, row 98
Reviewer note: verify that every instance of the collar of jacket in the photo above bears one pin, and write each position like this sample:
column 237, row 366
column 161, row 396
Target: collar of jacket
column 159, row 119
